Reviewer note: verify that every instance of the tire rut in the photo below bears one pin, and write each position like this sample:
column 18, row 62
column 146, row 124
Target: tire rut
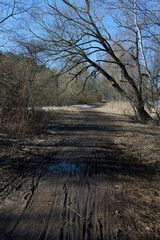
column 79, row 199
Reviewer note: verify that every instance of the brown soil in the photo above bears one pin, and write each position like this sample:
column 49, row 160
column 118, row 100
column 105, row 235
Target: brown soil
column 83, row 183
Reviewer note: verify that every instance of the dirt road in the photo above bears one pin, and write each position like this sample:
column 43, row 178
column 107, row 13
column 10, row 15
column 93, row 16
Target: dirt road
column 83, row 188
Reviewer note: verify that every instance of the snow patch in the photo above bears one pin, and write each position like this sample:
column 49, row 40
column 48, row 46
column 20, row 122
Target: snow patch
column 3, row 134
column 49, row 131
column 50, row 108
column 83, row 106
column 52, row 125
column 12, row 140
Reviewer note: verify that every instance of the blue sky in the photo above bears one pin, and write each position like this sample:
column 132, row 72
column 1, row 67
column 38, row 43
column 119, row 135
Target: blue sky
column 14, row 24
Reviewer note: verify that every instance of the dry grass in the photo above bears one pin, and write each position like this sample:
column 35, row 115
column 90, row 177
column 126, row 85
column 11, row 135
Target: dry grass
column 118, row 107
column 23, row 123
column 141, row 196
column 141, row 140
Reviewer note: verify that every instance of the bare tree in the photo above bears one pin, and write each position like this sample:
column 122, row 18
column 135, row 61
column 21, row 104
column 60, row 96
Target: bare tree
column 139, row 21
column 32, row 52
column 12, row 14
column 77, row 33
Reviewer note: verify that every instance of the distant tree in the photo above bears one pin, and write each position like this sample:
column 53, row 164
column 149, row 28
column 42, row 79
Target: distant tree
column 10, row 81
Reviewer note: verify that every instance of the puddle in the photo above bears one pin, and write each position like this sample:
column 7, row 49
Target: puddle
column 68, row 168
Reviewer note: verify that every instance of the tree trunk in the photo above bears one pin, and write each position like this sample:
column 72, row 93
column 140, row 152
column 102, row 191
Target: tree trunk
column 142, row 113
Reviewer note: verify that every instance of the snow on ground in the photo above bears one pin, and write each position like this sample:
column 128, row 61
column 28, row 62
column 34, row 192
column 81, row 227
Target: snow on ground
column 12, row 140
column 83, row 106
column 51, row 108
column 50, row 131
column 6, row 139
column 3, row 134
column 3, row 137
column 68, row 108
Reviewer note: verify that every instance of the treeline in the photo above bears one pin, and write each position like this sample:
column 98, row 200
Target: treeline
column 25, row 84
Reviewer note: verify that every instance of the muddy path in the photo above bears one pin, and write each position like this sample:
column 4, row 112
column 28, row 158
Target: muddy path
column 83, row 188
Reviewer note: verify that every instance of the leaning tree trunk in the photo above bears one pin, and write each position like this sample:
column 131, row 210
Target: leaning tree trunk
column 142, row 114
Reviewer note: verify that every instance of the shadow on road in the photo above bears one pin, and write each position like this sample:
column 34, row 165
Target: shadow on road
column 70, row 188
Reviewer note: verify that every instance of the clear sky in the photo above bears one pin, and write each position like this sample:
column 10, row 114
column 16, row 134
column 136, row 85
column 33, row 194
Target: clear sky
column 14, row 23
column 11, row 24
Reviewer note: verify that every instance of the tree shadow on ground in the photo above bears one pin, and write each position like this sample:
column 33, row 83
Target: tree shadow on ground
column 89, row 144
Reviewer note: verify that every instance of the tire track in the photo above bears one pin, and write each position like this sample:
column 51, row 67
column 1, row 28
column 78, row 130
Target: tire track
column 81, row 204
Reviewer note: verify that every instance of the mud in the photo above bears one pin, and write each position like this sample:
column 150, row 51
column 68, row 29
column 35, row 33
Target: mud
column 78, row 185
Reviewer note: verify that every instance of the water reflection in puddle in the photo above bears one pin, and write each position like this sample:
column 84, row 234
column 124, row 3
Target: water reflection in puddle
column 68, row 168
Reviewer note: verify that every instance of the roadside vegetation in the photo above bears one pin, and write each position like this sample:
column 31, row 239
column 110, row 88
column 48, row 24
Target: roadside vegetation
column 26, row 85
